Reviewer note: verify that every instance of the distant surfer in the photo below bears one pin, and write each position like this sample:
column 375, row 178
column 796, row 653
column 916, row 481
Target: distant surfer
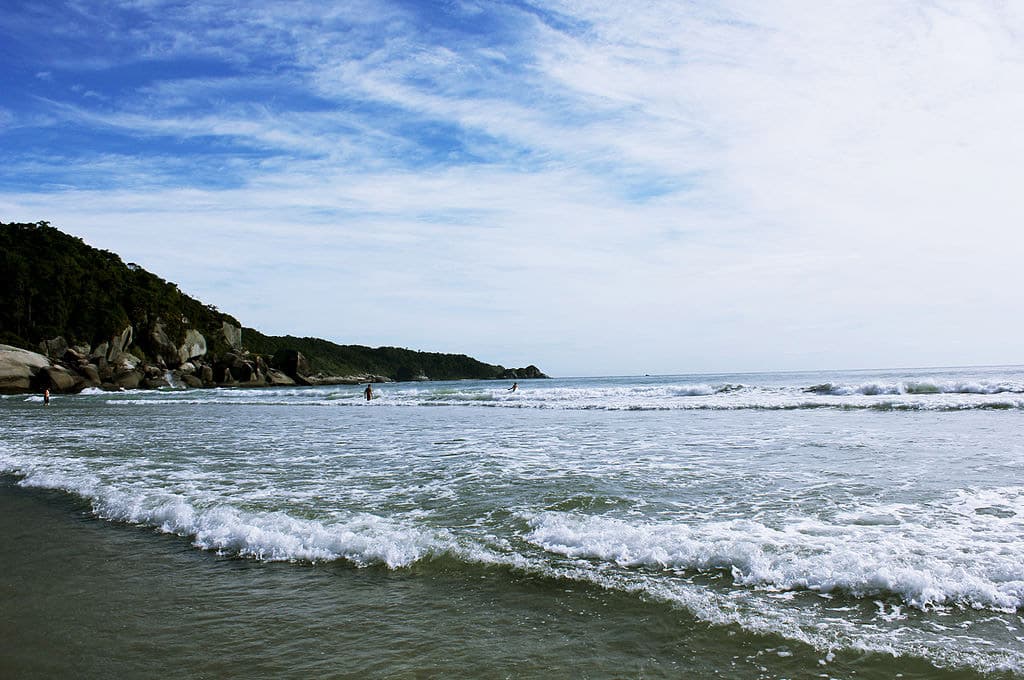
column 368, row 392
column 46, row 397
column 515, row 386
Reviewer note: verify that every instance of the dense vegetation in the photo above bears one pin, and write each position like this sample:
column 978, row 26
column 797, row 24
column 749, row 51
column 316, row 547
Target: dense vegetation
column 396, row 363
column 55, row 284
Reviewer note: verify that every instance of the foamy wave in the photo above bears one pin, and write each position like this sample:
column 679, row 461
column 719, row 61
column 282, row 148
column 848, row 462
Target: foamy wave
column 362, row 539
column 918, row 387
column 723, row 397
column 925, row 394
column 974, row 564
column 843, row 555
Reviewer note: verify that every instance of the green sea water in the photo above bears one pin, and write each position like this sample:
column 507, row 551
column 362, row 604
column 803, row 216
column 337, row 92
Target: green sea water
column 697, row 526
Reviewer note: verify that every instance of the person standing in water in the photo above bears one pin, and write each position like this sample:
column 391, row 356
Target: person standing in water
column 515, row 386
column 368, row 392
column 46, row 397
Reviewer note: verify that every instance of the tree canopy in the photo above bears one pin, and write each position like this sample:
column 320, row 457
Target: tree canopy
column 54, row 284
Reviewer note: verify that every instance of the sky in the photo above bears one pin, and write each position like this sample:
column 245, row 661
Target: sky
column 597, row 188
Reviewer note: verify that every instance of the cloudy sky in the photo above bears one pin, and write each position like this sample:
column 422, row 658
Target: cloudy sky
column 594, row 187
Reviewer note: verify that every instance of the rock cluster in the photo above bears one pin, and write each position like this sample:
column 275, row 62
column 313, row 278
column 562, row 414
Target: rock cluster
column 112, row 364
column 121, row 363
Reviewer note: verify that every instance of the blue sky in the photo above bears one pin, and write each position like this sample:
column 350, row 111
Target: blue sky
column 594, row 187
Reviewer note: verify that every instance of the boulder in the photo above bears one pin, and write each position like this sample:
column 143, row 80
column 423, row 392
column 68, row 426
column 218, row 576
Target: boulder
column 54, row 348
column 232, row 335
column 99, row 353
column 118, row 345
column 292, row 363
column 164, row 348
column 59, row 379
column 278, row 378
column 193, row 347
column 73, row 356
column 128, row 380
column 206, row 374
column 190, row 380
column 125, row 362
column 233, row 368
column 155, row 383
column 90, row 374
column 18, row 368
column 106, row 371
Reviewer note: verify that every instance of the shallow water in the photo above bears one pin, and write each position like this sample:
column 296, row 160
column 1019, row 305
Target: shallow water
column 778, row 525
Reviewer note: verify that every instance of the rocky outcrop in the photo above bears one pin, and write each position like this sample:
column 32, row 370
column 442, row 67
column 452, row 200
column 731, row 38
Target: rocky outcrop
column 90, row 374
column 19, row 368
column 277, row 378
column 59, row 379
column 528, row 373
column 193, row 347
column 235, row 368
column 293, row 364
column 111, row 366
column 119, row 345
column 126, row 380
column 165, row 349
column 53, row 348
column 232, row 335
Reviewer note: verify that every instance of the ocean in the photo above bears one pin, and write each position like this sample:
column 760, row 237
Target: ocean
column 844, row 524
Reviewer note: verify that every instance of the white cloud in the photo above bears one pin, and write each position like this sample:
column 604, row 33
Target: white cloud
column 661, row 188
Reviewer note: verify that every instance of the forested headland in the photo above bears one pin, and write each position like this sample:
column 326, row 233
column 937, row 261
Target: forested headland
column 102, row 322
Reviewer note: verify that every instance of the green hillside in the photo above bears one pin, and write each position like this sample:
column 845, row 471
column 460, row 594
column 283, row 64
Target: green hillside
column 396, row 363
column 55, row 285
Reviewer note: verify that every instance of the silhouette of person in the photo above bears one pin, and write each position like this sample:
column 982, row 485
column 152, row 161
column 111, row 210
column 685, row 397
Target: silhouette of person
column 515, row 386
column 46, row 397
column 368, row 392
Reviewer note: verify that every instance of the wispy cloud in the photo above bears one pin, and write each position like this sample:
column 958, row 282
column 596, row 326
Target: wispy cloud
column 643, row 187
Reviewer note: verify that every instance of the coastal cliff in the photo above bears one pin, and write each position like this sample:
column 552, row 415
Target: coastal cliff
column 73, row 316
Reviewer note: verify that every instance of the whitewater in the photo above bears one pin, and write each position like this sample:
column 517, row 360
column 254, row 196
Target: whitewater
column 839, row 521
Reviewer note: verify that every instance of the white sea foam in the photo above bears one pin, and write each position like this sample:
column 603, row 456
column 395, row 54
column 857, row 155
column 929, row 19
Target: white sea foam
column 955, row 557
column 920, row 386
column 360, row 538
column 854, row 508
column 907, row 394
column 761, row 558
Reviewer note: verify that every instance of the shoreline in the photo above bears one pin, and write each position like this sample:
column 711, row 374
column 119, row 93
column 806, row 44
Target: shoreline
column 88, row 598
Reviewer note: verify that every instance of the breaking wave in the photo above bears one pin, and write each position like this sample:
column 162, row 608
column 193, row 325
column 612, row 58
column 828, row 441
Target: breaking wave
column 966, row 554
column 917, row 387
column 971, row 560
column 362, row 539
column 921, row 393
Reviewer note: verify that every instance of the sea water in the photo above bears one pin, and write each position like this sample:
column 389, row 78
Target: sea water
column 831, row 524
